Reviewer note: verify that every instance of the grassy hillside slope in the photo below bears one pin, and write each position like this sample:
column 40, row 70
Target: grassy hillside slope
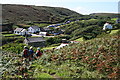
column 105, row 14
column 22, row 13
column 96, row 58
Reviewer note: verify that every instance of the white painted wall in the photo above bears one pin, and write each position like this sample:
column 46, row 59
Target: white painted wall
column 31, row 30
column 23, row 32
column 17, row 32
column 43, row 33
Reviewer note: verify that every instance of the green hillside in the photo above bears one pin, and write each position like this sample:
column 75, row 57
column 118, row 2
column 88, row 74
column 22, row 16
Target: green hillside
column 29, row 13
column 88, row 27
column 112, row 15
column 94, row 56
column 97, row 58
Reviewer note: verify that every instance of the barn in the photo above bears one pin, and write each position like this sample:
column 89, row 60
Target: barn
column 35, row 41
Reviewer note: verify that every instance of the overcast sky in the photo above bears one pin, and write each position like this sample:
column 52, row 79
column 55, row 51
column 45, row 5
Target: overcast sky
column 80, row 6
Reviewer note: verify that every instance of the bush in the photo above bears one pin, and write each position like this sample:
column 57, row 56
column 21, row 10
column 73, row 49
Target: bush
column 116, row 26
column 17, row 39
column 13, row 47
column 54, row 40
column 6, row 40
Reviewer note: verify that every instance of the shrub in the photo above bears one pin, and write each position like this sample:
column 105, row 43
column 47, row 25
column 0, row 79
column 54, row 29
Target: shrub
column 54, row 40
column 13, row 47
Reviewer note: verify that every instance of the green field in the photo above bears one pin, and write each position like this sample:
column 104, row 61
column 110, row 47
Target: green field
column 114, row 31
column 79, row 39
column 114, row 19
column 8, row 35
column 46, row 48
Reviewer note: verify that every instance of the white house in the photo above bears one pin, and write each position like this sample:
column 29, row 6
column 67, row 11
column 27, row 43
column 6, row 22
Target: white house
column 107, row 26
column 24, row 32
column 43, row 33
column 20, row 31
column 33, row 29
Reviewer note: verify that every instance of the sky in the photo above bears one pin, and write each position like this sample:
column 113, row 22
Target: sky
column 80, row 6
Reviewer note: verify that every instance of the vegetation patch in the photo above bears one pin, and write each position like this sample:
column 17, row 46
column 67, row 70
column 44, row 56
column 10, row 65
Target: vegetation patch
column 80, row 39
column 96, row 58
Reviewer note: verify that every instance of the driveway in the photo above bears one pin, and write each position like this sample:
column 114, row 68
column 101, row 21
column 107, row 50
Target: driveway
column 40, row 35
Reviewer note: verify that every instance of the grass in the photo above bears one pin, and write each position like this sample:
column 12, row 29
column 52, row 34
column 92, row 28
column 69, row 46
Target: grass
column 43, row 75
column 79, row 39
column 46, row 48
column 114, row 19
column 6, row 35
column 89, row 20
column 42, row 25
column 114, row 31
column 92, row 19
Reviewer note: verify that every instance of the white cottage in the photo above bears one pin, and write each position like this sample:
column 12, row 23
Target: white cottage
column 24, row 32
column 33, row 29
column 20, row 31
column 107, row 26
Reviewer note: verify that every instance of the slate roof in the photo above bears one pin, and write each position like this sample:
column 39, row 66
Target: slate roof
column 35, row 27
column 35, row 39
column 18, row 29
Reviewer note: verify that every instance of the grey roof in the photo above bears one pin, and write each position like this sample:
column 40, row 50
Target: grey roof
column 18, row 29
column 35, row 27
column 35, row 39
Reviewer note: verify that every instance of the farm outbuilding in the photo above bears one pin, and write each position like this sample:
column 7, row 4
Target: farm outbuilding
column 35, row 41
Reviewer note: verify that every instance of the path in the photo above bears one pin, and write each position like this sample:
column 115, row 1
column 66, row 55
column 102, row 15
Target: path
column 35, row 35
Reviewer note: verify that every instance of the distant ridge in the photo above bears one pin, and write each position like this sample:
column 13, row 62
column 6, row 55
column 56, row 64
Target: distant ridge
column 106, row 14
